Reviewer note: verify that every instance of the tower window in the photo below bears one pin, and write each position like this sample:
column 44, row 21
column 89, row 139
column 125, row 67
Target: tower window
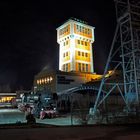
column 64, row 67
column 64, row 43
column 78, row 41
column 86, row 67
column 77, row 26
column 80, row 28
column 82, row 53
column 83, row 67
column 85, row 30
column 82, row 42
column 85, row 43
column 79, row 66
column 66, row 53
column 67, row 67
column 79, row 53
column 86, row 54
column 67, row 29
column 88, row 32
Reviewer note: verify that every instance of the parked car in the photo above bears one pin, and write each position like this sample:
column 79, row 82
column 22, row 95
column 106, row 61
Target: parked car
column 48, row 112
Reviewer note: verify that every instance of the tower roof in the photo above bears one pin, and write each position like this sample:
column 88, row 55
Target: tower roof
column 75, row 20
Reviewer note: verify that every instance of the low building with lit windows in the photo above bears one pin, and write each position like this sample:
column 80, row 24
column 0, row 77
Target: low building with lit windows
column 58, row 81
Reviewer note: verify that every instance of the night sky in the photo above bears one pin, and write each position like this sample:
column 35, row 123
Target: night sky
column 28, row 36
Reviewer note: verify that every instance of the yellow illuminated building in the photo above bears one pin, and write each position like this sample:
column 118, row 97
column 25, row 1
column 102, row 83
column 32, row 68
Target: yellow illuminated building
column 75, row 39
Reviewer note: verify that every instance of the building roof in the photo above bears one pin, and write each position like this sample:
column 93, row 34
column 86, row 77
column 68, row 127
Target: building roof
column 75, row 20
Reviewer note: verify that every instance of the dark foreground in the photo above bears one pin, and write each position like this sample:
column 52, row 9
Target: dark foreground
column 48, row 132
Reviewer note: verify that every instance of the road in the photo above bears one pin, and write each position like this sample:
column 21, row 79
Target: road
column 72, row 133
column 37, row 131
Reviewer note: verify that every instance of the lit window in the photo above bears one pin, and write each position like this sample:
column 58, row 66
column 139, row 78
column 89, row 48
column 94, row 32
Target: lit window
column 88, row 31
column 66, row 67
column 77, row 26
column 38, row 82
column 83, row 67
column 79, row 53
column 51, row 78
column 78, row 41
column 42, row 81
column 80, row 28
column 85, row 30
column 86, row 67
column 45, row 80
column 64, row 29
column 79, row 66
column 67, row 29
column 48, row 80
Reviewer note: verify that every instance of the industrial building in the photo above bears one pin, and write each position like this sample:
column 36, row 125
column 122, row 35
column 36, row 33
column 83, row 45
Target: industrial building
column 58, row 81
column 75, row 38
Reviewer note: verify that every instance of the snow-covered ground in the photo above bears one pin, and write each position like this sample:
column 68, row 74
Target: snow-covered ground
column 14, row 115
column 11, row 116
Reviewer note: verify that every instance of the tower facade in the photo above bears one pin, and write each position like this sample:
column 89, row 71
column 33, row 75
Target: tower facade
column 75, row 39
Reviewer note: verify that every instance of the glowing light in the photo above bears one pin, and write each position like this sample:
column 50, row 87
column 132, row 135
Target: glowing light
column 51, row 78
column 45, row 80
column 109, row 73
column 48, row 79
column 42, row 80
column 38, row 81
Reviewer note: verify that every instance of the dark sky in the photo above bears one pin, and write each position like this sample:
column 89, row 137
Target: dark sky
column 28, row 35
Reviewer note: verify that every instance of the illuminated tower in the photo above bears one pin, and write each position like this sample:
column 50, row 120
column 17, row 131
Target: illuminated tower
column 75, row 38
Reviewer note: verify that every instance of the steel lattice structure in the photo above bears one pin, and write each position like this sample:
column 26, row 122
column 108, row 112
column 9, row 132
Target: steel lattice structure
column 124, row 54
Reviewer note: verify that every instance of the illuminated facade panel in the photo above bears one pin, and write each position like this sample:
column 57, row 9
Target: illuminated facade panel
column 75, row 40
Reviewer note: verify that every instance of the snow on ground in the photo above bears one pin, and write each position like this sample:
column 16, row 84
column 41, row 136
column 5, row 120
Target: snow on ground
column 14, row 116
